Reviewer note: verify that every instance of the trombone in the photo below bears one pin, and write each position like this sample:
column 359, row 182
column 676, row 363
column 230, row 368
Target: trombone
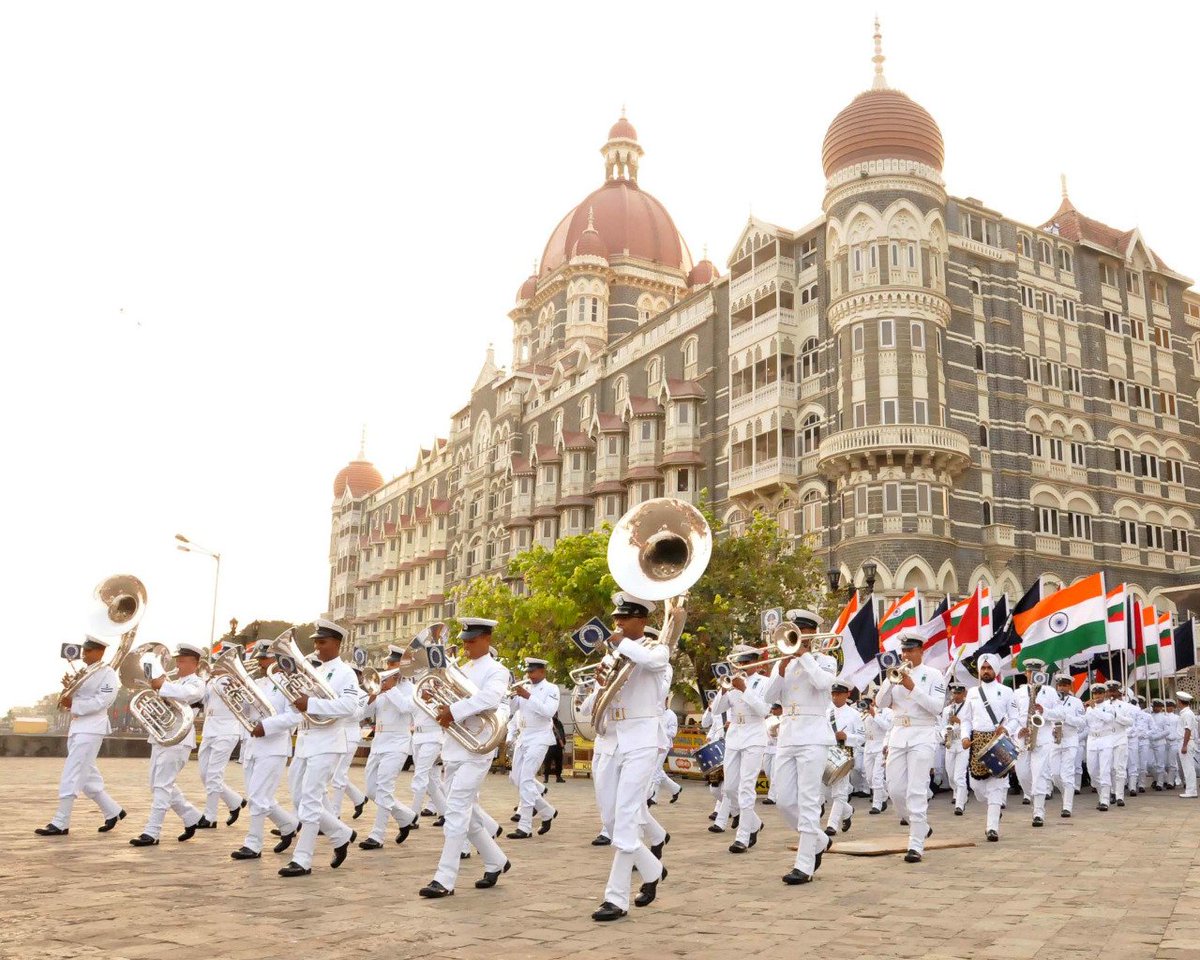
column 786, row 642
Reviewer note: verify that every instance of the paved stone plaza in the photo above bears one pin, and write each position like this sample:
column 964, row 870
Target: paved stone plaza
column 1121, row 885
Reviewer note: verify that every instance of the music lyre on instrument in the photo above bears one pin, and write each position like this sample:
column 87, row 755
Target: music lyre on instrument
column 238, row 691
column 294, row 676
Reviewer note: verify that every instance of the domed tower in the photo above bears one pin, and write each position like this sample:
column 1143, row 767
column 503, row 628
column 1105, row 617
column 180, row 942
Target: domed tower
column 353, row 483
column 888, row 448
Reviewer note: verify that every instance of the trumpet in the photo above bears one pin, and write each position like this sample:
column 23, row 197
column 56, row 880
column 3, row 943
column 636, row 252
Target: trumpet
column 373, row 679
column 786, row 641
column 897, row 673
column 519, row 685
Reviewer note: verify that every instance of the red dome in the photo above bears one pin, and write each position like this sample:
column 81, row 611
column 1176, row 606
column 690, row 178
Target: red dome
column 622, row 130
column 589, row 244
column 528, row 288
column 362, row 477
column 702, row 273
column 629, row 221
column 882, row 124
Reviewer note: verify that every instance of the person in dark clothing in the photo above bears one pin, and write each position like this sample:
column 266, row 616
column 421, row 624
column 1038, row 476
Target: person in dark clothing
column 554, row 755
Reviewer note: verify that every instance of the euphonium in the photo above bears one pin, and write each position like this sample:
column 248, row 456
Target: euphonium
column 120, row 602
column 303, row 680
column 481, row 733
column 238, row 691
column 167, row 722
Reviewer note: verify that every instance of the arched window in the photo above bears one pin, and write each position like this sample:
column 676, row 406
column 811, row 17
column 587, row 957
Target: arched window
column 585, row 411
column 558, row 422
column 653, row 371
column 983, row 435
column 811, row 434
column 1025, row 245
column 979, row 364
column 1044, row 253
column 689, row 352
column 810, row 513
column 975, row 289
column 620, row 388
column 1064, row 260
column 810, row 364
column 987, row 514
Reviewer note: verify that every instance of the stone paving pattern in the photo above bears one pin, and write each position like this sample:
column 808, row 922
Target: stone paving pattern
column 1122, row 885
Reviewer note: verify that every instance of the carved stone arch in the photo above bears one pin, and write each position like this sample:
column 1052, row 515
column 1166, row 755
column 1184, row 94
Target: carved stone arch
column 1137, row 590
column 982, row 574
column 1153, row 513
column 1044, row 495
column 1181, row 518
column 811, row 409
column 1162, row 602
column 1127, row 509
column 903, row 221
column 947, row 579
column 1148, row 444
column 1036, row 420
column 1176, row 452
column 810, row 487
column 1051, row 583
column 1078, row 429
column 1079, row 501
column 915, row 574
column 1009, row 585
column 884, row 581
column 1121, row 437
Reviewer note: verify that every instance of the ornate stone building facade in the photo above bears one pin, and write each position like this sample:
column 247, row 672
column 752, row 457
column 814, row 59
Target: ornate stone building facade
column 912, row 379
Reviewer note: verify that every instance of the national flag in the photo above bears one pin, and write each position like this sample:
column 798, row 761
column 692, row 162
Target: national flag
column 970, row 630
column 1116, row 617
column 901, row 615
column 1065, row 624
column 1184, row 643
column 985, row 609
column 936, row 631
column 860, row 646
column 1000, row 615
column 848, row 611
column 1166, row 647
column 1146, row 653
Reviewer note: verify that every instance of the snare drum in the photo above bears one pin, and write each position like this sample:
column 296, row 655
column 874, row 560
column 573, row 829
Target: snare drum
column 838, row 762
column 998, row 756
column 711, row 756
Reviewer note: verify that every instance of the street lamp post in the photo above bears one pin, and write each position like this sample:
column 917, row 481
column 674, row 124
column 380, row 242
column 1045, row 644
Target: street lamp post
column 869, row 570
column 187, row 546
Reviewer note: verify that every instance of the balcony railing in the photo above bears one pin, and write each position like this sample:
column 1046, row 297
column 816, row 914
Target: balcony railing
column 939, row 446
column 765, row 473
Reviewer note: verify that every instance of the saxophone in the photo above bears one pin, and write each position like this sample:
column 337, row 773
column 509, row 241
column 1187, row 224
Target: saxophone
column 1033, row 720
column 1058, row 724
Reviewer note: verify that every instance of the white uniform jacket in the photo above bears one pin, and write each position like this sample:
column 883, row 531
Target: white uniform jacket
column 1047, row 699
column 219, row 720
column 975, row 717
column 876, row 729
column 393, row 719
column 747, row 711
column 277, row 730
column 915, row 713
column 535, row 716
column 344, row 708
column 187, row 691
column 803, row 691
column 847, row 720
column 954, row 729
column 89, row 706
column 491, row 679
column 635, row 713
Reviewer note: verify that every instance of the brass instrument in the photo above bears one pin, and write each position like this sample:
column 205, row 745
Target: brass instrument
column 1058, row 731
column 519, row 685
column 786, row 641
column 120, row 603
column 657, row 551
column 1034, row 721
column 373, row 678
column 584, row 684
column 897, row 673
column 238, row 691
column 303, row 680
column 167, row 722
column 482, row 733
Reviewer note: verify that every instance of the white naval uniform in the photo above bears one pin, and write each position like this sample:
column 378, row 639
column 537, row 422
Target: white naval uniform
column 805, row 737
column 662, row 780
column 634, row 720
column 846, row 719
column 1174, row 738
column 745, row 744
column 219, row 737
column 1145, row 747
column 1033, row 766
column 427, row 738
column 319, row 749
column 167, row 762
column 1187, row 761
column 911, row 744
column 89, row 725
column 1069, row 712
column 604, row 783
column 263, row 761
column 465, row 771
column 769, row 759
column 876, row 729
column 393, row 712
column 535, row 723
column 1158, row 745
column 713, row 725
column 976, row 718
column 1102, row 733
column 1126, row 716
column 958, row 757
column 340, row 785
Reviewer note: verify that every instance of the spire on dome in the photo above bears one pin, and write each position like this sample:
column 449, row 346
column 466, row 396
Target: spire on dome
column 622, row 153
column 880, row 82
column 362, row 443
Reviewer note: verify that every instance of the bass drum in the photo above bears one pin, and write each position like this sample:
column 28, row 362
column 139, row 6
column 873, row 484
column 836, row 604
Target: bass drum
column 583, row 718
column 838, row 763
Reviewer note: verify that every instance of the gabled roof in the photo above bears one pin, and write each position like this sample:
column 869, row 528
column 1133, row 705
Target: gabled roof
column 610, row 423
column 644, row 406
column 573, row 440
column 1072, row 225
column 683, row 389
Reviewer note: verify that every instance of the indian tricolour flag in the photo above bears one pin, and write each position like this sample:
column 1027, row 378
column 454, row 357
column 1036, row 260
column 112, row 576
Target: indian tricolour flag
column 1117, row 637
column 902, row 614
column 1146, row 660
column 1066, row 623
column 1166, row 644
column 847, row 614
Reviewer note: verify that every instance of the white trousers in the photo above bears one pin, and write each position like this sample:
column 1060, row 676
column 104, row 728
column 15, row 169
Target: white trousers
column 1120, row 757
column 314, row 815
column 1037, row 773
column 466, row 820
column 383, row 767
column 425, row 780
column 262, row 783
column 1145, row 758
column 165, row 765
column 1187, row 762
column 1103, row 772
column 991, row 792
column 341, row 785
column 798, row 772
column 839, row 803
column 1062, row 771
column 769, row 770
column 632, row 773
column 741, row 778
column 1171, row 769
column 653, row 832
column 604, row 782
column 873, row 773
column 214, row 756
column 527, row 761
column 908, row 777
column 957, row 762
column 662, row 780
column 1080, row 756
column 81, row 775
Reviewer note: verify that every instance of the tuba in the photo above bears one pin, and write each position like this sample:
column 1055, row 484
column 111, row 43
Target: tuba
column 446, row 685
column 120, row 603
column 167, row 722
column 301, row 679
column 238, row 691
column 657, row 551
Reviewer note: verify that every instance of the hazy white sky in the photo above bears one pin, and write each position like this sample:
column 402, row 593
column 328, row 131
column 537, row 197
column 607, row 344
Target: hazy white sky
column 232, row 232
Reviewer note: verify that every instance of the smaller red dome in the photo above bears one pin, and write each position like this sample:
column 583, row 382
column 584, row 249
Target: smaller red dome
column 622, row 130
column 589, row 244
column 360, row 475
column 702, row 273
column 528, row 288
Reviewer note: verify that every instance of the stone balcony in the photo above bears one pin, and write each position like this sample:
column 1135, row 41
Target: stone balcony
column 765, row 398
column 999, row 543
column 939, row 448
column 766, row 474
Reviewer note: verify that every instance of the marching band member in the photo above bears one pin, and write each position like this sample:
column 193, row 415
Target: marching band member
column 89, row 725
column 393, row 711
column 713, row 725
column 1187, row 746
column 1145, row 743
column 1126, row 717
column 801, row 684
column 848, row 731
column 427, row 739
column 537, row 706
column 745, row 743
column 990, row 709
column 635, row 717
column 770, row 753
column 219, row 737
column 603, row 748
column 340, row 784
column 877, row 724
column 916, row 704
column 1174, row 739
column 670, row 728
column 1066, row 721
column 166, row 762
column 1033, row 770
column 465, row 770
column 264, row 756
column 654, row 835
column 1102, row 732
column 958, row 757
column 1158, row 743
column 319, row 750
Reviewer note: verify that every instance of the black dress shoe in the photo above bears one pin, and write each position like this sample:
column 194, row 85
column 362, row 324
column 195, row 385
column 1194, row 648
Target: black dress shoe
column 715, row 829
column 795, row 878
column 657, row 848
column 904, row 823
column 677, row 793
column 602, row 841
column 1102, row 807
column 188, row 832
column 830, row 832
column 428, row 813
column 559, row 780
column 545, row 827
column 403, row 833
column 958, row 811
column 1066, row 814
column 339, row 853
column 465, row 855
column 649, row 891
column 608, row 911
column 244, row 853
column 294, row 869
column 1120, row 802
column 912, row 857
column 754, row 835
column 491, row 876
column 50, row 830
column 234, row 814
column 651, row 802
column 370, row 844
column 713, row 815
column 993, row 836
column 518, row 835
column 846, row 825
column 285, row 841
column 736, row 820
column 1038, row 822
column 439, row 822
column 767, row 802
column 435, row 891
column 110, row 823
column 275, row 832
column 875, row 811
column 928, row 833
column 499, row 830
column 515, row 818
column 144, row 840
column 1025, row 801
column 205, row 824
column 885, row 805
column 738, row 847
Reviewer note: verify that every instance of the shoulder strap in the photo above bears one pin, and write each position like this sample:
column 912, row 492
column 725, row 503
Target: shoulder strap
column 988, row 706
